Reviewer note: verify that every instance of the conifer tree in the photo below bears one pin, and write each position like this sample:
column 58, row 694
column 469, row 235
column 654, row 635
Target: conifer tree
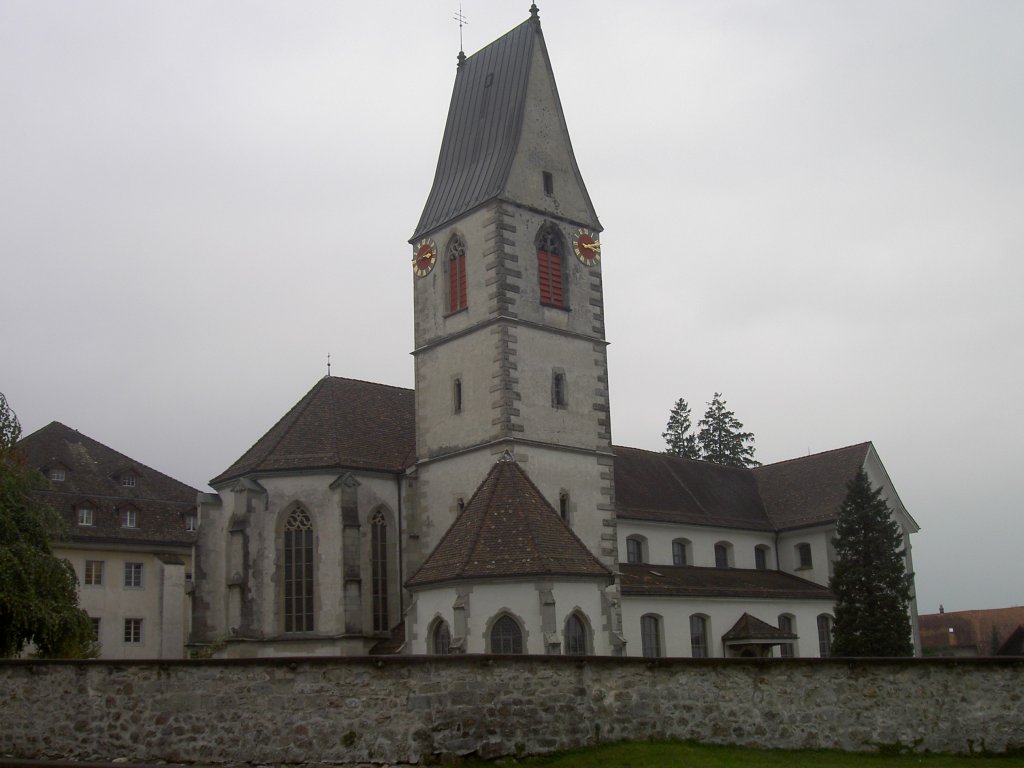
column 38, row 592
column 680, row 441
column 870, row 580
column 721, row 438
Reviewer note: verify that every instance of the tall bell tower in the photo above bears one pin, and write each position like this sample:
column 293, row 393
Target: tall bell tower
column 510, row 350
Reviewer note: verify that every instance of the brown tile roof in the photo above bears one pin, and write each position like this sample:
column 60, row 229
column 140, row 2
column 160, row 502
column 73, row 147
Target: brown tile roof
column 663, row 488
column 92, row 477
column 689, row 581
column 981, row 631
column 808, row 490
column 751, row 628
column 340, row 423
column 508, row 529
column 1014, row 645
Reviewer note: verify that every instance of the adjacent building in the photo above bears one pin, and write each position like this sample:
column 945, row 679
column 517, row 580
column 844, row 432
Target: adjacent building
column 131, row 531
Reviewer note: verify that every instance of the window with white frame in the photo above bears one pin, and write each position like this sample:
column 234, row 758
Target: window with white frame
column 699, row 636
column 85, row 516
column 128, row 480
column 803, row 556
column 650, row 635
column 133, row 575
column 93, row 576
column 133, row 631
column 56, row 475
column 129, row 518
column 191, row 523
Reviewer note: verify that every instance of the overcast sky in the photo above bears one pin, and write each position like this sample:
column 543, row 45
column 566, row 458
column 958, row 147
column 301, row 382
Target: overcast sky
column 815, row 208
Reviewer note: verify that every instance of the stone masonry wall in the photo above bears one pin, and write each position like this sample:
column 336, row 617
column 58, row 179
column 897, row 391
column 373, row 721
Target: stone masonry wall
column 358, row 711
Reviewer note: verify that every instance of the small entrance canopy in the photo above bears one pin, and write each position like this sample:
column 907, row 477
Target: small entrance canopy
column 752, row 638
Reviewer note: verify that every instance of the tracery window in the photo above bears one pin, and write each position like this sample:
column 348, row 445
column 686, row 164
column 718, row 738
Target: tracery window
column 549, row 267
column 575, row 636
column 506, row 637
column 379, row 570
column 298, row 572
column 455, row 261
column 441, row 638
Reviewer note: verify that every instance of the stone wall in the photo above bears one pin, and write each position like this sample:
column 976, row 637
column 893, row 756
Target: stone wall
column 408, row 710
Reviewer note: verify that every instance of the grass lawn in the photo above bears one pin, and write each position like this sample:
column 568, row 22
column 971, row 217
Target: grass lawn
column 688, row 755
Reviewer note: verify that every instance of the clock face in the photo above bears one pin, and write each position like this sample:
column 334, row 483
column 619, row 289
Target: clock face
column 587, row 247
column 424, row 257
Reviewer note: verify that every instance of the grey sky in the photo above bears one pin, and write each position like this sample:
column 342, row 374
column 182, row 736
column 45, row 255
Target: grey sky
column 812, row 207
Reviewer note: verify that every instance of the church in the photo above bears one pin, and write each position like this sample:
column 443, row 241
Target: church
column 488, row 510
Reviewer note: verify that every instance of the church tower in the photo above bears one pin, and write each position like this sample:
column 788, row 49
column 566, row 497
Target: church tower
column 510, row 350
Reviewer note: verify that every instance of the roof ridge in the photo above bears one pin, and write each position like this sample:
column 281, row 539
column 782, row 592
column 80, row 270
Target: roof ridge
column 471, row 549
column 367, row 381
column 866, row 444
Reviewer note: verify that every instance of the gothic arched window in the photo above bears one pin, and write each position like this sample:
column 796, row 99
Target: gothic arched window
column 455, row 263
column 506, row 637
column 550, row 268
column 575, row 636
column 441, row 638
column 379, row 570
column 298, row 572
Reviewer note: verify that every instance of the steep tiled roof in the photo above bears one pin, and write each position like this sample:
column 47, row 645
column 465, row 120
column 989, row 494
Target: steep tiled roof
column 663, row 488
column 340, row 423
column 810, row 489
column 508, row 529
column 689, row 581
column 982, row 631
column 752, row 628
column 92, row 478
column 1014, row 645
column 484, row 126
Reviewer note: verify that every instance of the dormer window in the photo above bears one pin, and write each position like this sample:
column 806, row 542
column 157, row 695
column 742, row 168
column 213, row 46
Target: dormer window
column 129, row 518
column 84, row 516
column 128, row 480
column 190, row 523
column 56, row 475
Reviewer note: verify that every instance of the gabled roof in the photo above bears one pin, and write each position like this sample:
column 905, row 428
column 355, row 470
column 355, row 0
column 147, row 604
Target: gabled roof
column 91, row 479
column 508, row 530
column 981, row 631
column 339, row 424
column 663, row 488
column 485, row 124
column 749, row 627
column 1014, row 645
column 810, row 489
column 689, row 581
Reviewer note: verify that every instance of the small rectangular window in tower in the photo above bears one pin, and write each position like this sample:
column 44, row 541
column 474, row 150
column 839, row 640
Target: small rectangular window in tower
column 549, row 183
column 559, row 396
column 563, row 505
column 457, row 396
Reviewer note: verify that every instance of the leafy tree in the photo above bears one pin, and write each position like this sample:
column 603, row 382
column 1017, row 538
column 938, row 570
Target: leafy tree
column 680, row 441
column 870, row 579
column 38, row 592
column 722, row 439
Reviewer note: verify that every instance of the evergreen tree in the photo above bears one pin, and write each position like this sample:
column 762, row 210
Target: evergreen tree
column 721, row 438
column 38, row 592
column 680, row 441
column 870, row 579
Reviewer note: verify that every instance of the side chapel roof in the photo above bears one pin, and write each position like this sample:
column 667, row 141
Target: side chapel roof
column 485, row 123
column 339, row 423
column 508, row 529
column 690, row 581
column 93, row 474
column 749, row 627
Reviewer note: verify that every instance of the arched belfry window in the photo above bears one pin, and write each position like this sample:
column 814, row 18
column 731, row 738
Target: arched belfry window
column 550, row 252
column 455, row 263
column 298, row 572
column 379, row 570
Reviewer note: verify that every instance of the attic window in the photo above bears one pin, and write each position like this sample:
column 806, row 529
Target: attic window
column 128, row 481
column 57, row 475
column 129, row 518
column 190, row 522
column 84, row 516
column 549, row 183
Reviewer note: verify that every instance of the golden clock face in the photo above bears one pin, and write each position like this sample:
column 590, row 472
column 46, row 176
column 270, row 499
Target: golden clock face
column 587, row 247
column 424, row 257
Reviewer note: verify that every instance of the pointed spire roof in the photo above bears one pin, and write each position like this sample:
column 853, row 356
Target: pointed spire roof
column 508, row 530
column 493, row 89
column 340, row 423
